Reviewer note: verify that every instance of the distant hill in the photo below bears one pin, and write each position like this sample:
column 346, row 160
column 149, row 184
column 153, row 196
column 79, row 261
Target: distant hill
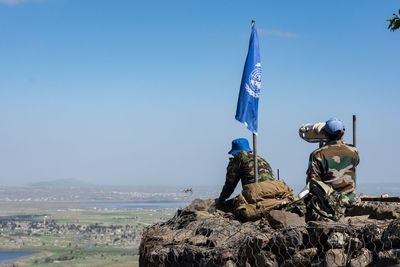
column 60, row 183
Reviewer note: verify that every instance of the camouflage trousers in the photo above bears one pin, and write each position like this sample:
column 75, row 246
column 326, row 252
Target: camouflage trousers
column 329, row 207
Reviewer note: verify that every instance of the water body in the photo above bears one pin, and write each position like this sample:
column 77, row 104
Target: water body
column 136, row 205
column 11, row 255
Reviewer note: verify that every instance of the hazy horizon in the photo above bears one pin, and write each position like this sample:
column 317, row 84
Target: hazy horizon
column 392, row 186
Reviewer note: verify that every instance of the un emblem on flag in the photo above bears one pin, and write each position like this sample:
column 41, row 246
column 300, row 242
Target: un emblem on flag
column 255, row 81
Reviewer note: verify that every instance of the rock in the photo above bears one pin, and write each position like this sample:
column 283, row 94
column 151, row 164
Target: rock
column 280, row 219
column 264, row 258
column 365, row 258
column 182, row 235
column 361, row 209
column 337, row 240
column 356, row 244
column 253, row 252
column 371, row 235
column 199, row 241
column 376, row 210
column 287, row 241
column 301, row 258
column 391, row 236
column 202, row 205
column 319, row 232
column 230, row 263
column 335, row 258
column 201, row 236
column 388, row 257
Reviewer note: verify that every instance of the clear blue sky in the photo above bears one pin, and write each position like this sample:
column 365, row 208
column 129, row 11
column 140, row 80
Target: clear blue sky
column 144, row 92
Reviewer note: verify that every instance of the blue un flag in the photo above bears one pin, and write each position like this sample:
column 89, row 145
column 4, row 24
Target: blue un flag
column 247, row 106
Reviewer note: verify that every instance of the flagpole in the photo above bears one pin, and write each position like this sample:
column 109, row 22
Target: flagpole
column 253, row 23
column 354, row 144
column 255, row 157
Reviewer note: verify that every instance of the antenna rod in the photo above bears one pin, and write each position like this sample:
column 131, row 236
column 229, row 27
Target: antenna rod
column 354, row 144
column 354, row 129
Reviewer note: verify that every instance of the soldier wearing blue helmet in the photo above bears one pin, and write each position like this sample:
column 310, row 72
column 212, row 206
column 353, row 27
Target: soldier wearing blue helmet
column 334, row 165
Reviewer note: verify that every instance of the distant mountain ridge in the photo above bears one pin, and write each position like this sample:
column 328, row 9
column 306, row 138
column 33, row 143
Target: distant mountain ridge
column 69, row 182
column 393, row 189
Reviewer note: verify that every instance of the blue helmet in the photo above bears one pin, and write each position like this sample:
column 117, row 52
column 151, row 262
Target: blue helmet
column 334, row 126
column 238, row 145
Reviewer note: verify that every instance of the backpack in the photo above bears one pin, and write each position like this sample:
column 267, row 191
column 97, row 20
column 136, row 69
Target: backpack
column 257, row 199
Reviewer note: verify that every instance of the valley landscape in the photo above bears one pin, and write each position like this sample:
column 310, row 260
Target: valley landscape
column 69, row 223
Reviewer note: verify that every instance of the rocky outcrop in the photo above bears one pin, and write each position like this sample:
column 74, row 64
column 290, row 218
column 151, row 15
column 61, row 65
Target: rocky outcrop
column 201, row 235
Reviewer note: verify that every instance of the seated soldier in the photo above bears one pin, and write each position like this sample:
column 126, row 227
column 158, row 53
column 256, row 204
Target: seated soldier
column 256, row 199
column 241, row 168
column 333, row 164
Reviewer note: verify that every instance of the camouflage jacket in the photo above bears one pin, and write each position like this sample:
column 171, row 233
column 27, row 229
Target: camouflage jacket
column 334, row 164
column 241, row 167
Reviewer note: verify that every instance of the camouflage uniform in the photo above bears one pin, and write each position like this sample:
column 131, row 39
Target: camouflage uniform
column 241, row 167
column 334, row 164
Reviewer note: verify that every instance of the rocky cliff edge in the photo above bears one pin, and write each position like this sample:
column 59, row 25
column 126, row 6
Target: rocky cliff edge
column 201, row 235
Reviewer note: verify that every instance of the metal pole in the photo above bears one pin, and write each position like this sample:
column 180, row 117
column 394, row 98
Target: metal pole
column 253, row 22
column 354, row 144
column 255, row 157
column 278, row 175
column 354, row 129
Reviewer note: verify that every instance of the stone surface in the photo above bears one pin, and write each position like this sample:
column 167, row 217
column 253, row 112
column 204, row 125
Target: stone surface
column 301, row 258
column 201, row 235
column 335, row 258
column 337, row 240
column 376, row 210
column 388, row 257
column 281, row 219
column 364, row 259
column 391, row 236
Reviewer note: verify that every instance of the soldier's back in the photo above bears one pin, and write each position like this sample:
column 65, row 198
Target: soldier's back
column 338, row 161
column 247, row 168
